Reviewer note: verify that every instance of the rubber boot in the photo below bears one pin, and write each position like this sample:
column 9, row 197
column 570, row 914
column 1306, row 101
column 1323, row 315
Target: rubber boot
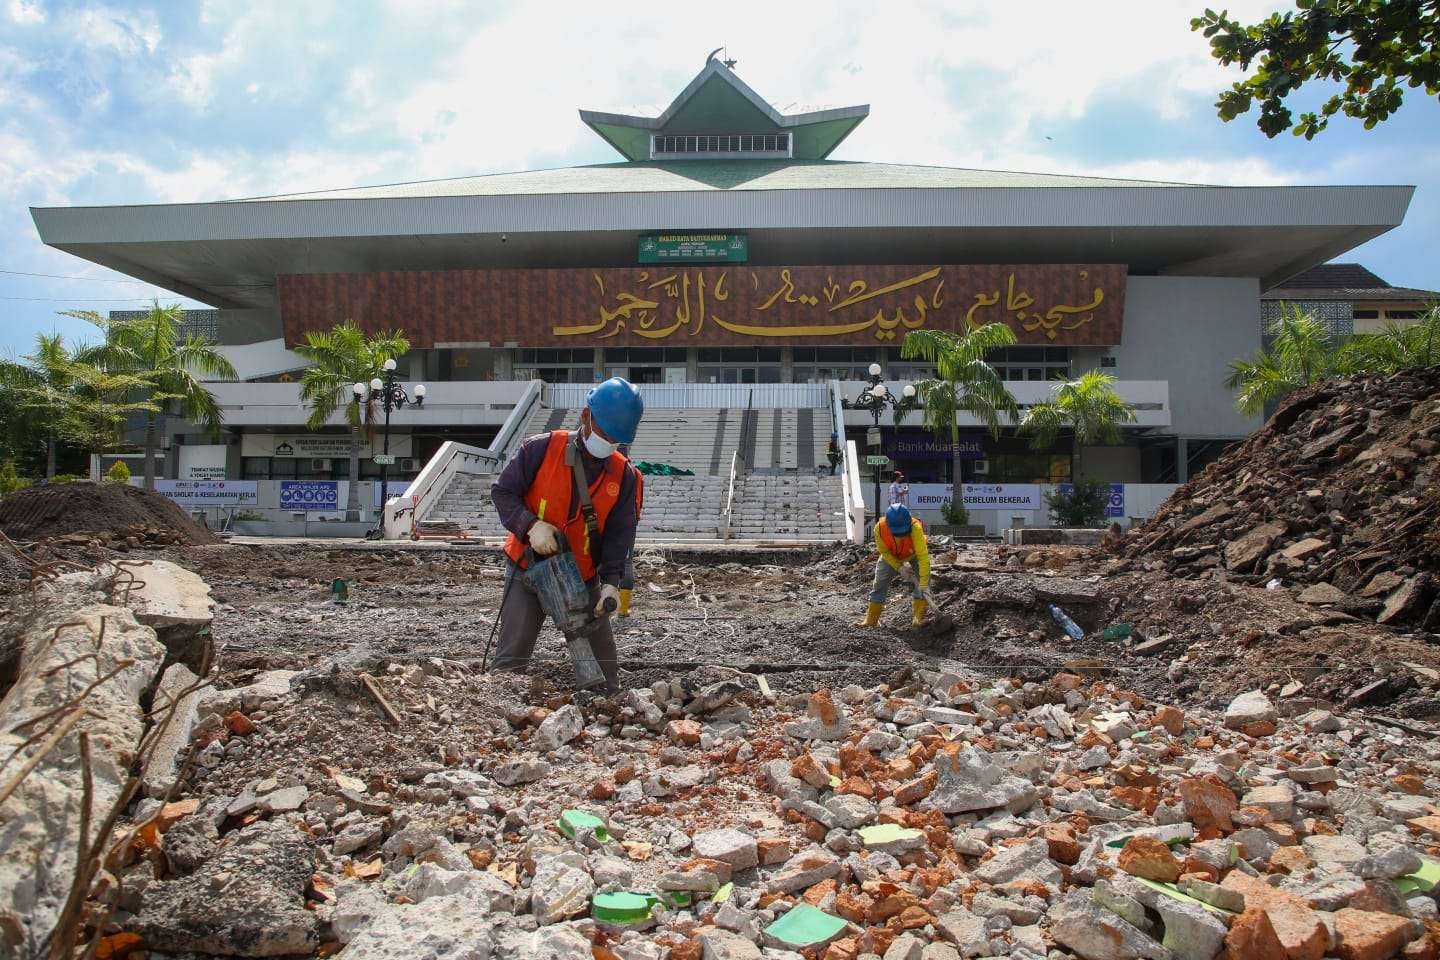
column 917, row 608
column 624, row 610
column 872, row 615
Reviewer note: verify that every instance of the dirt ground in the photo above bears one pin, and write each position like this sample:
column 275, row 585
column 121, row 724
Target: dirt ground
column 792, row 616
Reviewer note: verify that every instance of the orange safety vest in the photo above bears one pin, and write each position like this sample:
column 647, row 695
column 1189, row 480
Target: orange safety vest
column 549, row 498
column 902, row 547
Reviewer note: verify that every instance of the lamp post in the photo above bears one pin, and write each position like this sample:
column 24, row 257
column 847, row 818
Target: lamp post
column 392, row 396
column 875, row 397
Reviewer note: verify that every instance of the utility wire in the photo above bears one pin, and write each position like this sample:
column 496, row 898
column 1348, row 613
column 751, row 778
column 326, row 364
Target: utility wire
column 56, row 276
column 81, row 299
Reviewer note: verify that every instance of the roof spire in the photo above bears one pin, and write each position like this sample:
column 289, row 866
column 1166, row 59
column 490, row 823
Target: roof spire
column 729, row 61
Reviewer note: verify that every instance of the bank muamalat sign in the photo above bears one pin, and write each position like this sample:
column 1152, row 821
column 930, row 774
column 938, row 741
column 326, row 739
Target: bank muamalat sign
column 912, row 447
column 678, row 305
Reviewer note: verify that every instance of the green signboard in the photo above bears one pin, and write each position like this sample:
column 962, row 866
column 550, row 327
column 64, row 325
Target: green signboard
column 385, row 459
column 876, row 461
column 694, row 248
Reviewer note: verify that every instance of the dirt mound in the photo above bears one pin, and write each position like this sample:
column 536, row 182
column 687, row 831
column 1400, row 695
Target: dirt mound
column 111, row 512
column 1336, row 496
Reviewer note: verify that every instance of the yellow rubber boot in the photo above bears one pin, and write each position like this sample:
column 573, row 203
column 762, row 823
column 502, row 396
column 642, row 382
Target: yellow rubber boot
column 624, row 610
column 872, row 615
column 917, row 608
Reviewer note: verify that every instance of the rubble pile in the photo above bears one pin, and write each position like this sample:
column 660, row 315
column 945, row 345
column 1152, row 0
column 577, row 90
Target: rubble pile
column 937, row 817
column 114, row 515
column 1337, row 499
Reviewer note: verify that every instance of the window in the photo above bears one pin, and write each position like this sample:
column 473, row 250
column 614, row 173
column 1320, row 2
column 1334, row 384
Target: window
column 1402, row 314
column 666, row 144
column 1367, row 314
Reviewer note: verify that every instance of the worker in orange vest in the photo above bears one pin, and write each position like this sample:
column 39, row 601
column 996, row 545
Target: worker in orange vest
column 539, row 504
column 900, row 539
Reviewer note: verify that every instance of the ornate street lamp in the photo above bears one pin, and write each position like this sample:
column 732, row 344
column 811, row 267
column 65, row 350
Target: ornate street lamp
column 875, row 397
column 392, row 396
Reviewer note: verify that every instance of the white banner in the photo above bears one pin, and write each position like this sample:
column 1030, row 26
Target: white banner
column 978, row 496
column 209, row 492
column 205, row 461
column 1003, row 496
column 331, row 446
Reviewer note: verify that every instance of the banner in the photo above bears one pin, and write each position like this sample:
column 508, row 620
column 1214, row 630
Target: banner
column 1003, row 496
column 309, row 494
column 201, row 493
column 927, row 447
column 328, row 446
column 1115, row 506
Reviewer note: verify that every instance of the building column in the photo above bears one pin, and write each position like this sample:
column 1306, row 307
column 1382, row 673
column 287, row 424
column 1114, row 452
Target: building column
column 692, row 364
column 1182, row 460
column 504, row 364
column 787, row 364
column 598, row 365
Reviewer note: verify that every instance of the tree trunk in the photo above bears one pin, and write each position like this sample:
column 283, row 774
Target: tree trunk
column 353, row 500
column 957, row 492
column 149, row 451
column 50, row 458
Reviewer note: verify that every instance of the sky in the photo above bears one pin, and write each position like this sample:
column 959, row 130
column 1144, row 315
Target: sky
column 180, row 101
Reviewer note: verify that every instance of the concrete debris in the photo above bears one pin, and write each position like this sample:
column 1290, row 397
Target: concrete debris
column 178, row 692
column 923, row 814
column 41, row 817
column 246, row 901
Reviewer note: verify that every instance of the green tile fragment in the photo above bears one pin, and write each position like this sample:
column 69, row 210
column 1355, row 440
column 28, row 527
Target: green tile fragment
column 803, row 925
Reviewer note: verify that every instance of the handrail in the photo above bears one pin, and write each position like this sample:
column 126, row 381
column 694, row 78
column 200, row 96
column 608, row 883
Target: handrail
column 854, row 496
column 519, row 416
column 727, row 515
column 401, row 516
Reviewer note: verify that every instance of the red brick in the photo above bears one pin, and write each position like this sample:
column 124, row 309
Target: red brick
column 1253, row 937
column 1149, row 858
column 1365, row 935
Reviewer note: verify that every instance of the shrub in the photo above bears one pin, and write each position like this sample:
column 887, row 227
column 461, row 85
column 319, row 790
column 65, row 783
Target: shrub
column 118, row 472
column 955, row 513
column 10, row 481
column 1083, row 505
column 67, row 478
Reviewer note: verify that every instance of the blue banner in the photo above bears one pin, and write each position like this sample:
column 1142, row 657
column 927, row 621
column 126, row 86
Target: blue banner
column 310, row 494
column 925, row 447
column 1115, row 507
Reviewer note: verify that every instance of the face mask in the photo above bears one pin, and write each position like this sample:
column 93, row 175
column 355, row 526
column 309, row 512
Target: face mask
column 598, row 446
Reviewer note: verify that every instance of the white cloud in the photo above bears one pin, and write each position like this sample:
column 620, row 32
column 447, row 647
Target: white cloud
column 26, row 11
column 106, row 27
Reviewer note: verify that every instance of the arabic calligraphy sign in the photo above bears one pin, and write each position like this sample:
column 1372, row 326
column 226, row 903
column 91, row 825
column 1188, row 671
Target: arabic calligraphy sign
column 1075, row 304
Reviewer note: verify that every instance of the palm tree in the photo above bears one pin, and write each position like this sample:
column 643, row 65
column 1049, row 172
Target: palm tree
column 1088, row 407
column 167, row 368
column 340, row 358
column 55, row 395
column 964, row 381
column 41, row 392
column 1301, row 351
column 1397, row 347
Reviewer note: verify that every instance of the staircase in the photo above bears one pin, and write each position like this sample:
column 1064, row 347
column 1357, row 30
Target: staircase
column 783, row 490
column 803, row 507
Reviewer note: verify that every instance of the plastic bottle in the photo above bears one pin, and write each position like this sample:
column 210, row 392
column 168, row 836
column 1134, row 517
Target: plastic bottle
column 1070, row 626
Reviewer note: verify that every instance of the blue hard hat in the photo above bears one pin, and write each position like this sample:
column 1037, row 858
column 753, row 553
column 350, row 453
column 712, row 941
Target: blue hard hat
column 897, row 518
column 616, row 408
column 833, row 434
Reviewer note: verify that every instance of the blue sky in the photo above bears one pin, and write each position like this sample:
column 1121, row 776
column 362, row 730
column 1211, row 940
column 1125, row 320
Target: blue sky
column 177, row 101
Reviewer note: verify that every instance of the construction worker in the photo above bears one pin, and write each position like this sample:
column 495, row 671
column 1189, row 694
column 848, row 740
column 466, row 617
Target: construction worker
column 900, row 539
column 832, row 452
column 539, row 504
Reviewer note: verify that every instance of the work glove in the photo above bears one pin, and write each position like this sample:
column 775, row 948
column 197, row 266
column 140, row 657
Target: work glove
column 607, row 592
column 544, row 538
